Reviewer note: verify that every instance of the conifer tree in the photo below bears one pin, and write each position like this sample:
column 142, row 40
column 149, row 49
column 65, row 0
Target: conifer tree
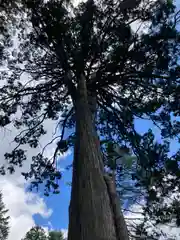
column 36, row 233
column 89, row 65
column 4, row 220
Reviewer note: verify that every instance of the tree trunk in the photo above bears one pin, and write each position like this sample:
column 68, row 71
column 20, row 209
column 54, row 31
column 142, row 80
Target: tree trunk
column 120, row 224
column 119, row 221
column 90, row 214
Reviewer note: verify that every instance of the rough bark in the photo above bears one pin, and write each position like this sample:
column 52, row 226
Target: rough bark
column 119, row 221
column 90, row 214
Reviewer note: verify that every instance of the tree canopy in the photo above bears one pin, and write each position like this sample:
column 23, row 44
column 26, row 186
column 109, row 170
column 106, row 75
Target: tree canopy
column 138, row 72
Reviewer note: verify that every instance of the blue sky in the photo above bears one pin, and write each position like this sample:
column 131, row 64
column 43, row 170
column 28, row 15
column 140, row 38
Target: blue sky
column 59, row 203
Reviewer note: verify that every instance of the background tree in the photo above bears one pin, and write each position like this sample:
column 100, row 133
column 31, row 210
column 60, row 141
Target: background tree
column 4, row 220
column 37, row 233
column 90, row 65
column 55, row 235
column 133, row 190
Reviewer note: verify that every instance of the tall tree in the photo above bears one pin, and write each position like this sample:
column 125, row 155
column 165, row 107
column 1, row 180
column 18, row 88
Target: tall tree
column 90, row 65
column 4, row 220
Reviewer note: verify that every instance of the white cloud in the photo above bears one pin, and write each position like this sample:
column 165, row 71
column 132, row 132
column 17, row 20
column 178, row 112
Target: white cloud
column 76, row 2
column 22, row 205
column 65, row 233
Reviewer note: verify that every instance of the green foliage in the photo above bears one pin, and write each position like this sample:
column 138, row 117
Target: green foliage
column 37, row 233
column 55, row 235
column 4, row 220
column 157, row 178
column 115, row 155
